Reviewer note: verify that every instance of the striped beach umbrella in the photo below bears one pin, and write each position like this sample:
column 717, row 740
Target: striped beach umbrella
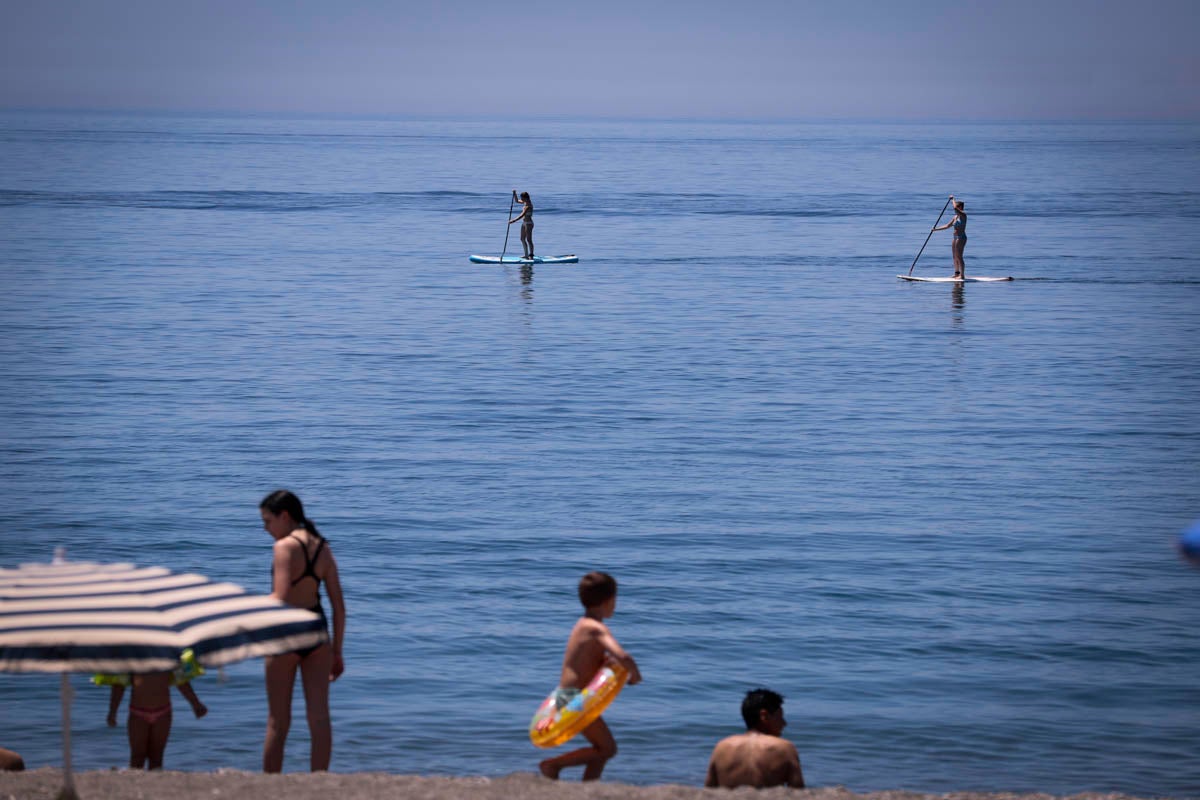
column 82, row 617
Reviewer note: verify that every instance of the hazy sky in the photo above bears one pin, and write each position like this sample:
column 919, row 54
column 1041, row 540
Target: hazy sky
column 822, row 59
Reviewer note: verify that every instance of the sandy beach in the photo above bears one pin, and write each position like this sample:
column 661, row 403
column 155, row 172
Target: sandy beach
column 44, row 784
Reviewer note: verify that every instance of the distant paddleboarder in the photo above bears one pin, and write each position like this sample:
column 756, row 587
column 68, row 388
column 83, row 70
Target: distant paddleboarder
column 526, row 220
column 959, row 223
column 525, row 217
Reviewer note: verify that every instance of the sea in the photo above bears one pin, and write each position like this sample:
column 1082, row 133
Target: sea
column 940, row 520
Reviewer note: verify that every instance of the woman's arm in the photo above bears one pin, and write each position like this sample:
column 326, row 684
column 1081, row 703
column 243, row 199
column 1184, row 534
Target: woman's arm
column 333, row 586
column 281, row 569
column 951, row 222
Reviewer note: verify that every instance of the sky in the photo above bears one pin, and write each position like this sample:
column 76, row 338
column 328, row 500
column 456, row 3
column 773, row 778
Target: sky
column 687, row 59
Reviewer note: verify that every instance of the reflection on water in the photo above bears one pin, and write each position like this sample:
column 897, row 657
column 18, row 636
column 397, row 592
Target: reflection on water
column 957, row 301
column 527, row 282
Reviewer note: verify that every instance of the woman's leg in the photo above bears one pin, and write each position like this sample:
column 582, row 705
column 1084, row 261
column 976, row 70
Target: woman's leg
column 960, row 266
column 281, row 678
column 314, row 671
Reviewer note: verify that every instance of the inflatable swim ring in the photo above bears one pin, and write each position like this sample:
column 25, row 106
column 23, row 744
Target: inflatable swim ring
column 188, row 668
column 551, row 725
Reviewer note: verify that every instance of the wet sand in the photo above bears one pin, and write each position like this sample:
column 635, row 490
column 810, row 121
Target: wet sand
column 44, row 784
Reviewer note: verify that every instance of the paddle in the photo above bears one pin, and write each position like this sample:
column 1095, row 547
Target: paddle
column 508, row 227
column 931, row 230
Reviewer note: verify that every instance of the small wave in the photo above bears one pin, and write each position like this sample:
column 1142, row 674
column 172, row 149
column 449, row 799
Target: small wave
column 240, row 200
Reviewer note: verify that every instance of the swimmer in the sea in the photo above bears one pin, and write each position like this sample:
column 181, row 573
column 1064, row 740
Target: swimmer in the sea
column 760, row 757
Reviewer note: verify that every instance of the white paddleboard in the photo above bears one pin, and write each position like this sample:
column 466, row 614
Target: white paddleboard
column 568, row 259
column 968, row 279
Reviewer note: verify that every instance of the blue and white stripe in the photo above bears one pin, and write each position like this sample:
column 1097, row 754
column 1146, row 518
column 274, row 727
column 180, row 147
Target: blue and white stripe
column 85, row 617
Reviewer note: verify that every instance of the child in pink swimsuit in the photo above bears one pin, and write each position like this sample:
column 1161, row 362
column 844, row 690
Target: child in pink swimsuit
column 150, row 715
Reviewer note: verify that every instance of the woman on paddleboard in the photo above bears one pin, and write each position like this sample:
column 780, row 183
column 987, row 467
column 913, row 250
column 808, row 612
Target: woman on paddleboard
column 959, row 223
column 526, row 220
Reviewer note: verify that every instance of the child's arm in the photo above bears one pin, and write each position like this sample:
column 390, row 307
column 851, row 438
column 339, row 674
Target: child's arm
column 114, row 702
column 613, row 648
column 189, row 694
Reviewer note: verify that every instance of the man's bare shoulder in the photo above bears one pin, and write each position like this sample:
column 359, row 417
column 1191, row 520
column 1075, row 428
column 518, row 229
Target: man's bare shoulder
column 754, row 759
column 754, row 742
column 729, row 741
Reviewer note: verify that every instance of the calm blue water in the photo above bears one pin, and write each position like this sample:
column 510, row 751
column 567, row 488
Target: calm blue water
column 939, row 520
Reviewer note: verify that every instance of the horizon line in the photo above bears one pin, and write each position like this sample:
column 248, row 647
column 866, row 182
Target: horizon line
column 593, row 118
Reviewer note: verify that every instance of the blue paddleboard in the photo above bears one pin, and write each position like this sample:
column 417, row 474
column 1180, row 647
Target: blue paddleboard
column 968, row 279
column 570, row 259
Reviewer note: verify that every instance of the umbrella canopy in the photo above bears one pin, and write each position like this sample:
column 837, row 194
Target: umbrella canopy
column 83, row 617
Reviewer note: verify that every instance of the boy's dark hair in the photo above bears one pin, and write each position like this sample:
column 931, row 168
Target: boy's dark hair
column 595, row 588
column 759, row 700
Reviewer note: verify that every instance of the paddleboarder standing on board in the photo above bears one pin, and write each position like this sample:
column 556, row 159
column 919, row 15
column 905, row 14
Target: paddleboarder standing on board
column 959, row 223
column 526, row 220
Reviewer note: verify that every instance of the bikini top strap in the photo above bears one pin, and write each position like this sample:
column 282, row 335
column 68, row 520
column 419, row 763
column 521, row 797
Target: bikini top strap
column 309, row 562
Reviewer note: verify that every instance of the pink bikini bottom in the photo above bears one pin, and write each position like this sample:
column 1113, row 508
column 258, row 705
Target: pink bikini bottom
column 150, row 715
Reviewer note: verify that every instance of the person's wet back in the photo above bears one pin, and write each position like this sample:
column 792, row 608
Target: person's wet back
column 758, row 757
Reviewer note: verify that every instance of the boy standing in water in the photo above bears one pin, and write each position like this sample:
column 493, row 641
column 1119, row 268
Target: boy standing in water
column 589, row 646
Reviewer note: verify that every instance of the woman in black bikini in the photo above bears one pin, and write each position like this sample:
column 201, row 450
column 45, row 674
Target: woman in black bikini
column 302, row 562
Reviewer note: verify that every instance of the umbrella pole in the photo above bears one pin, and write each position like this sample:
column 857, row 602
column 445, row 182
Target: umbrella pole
column 68, row 790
